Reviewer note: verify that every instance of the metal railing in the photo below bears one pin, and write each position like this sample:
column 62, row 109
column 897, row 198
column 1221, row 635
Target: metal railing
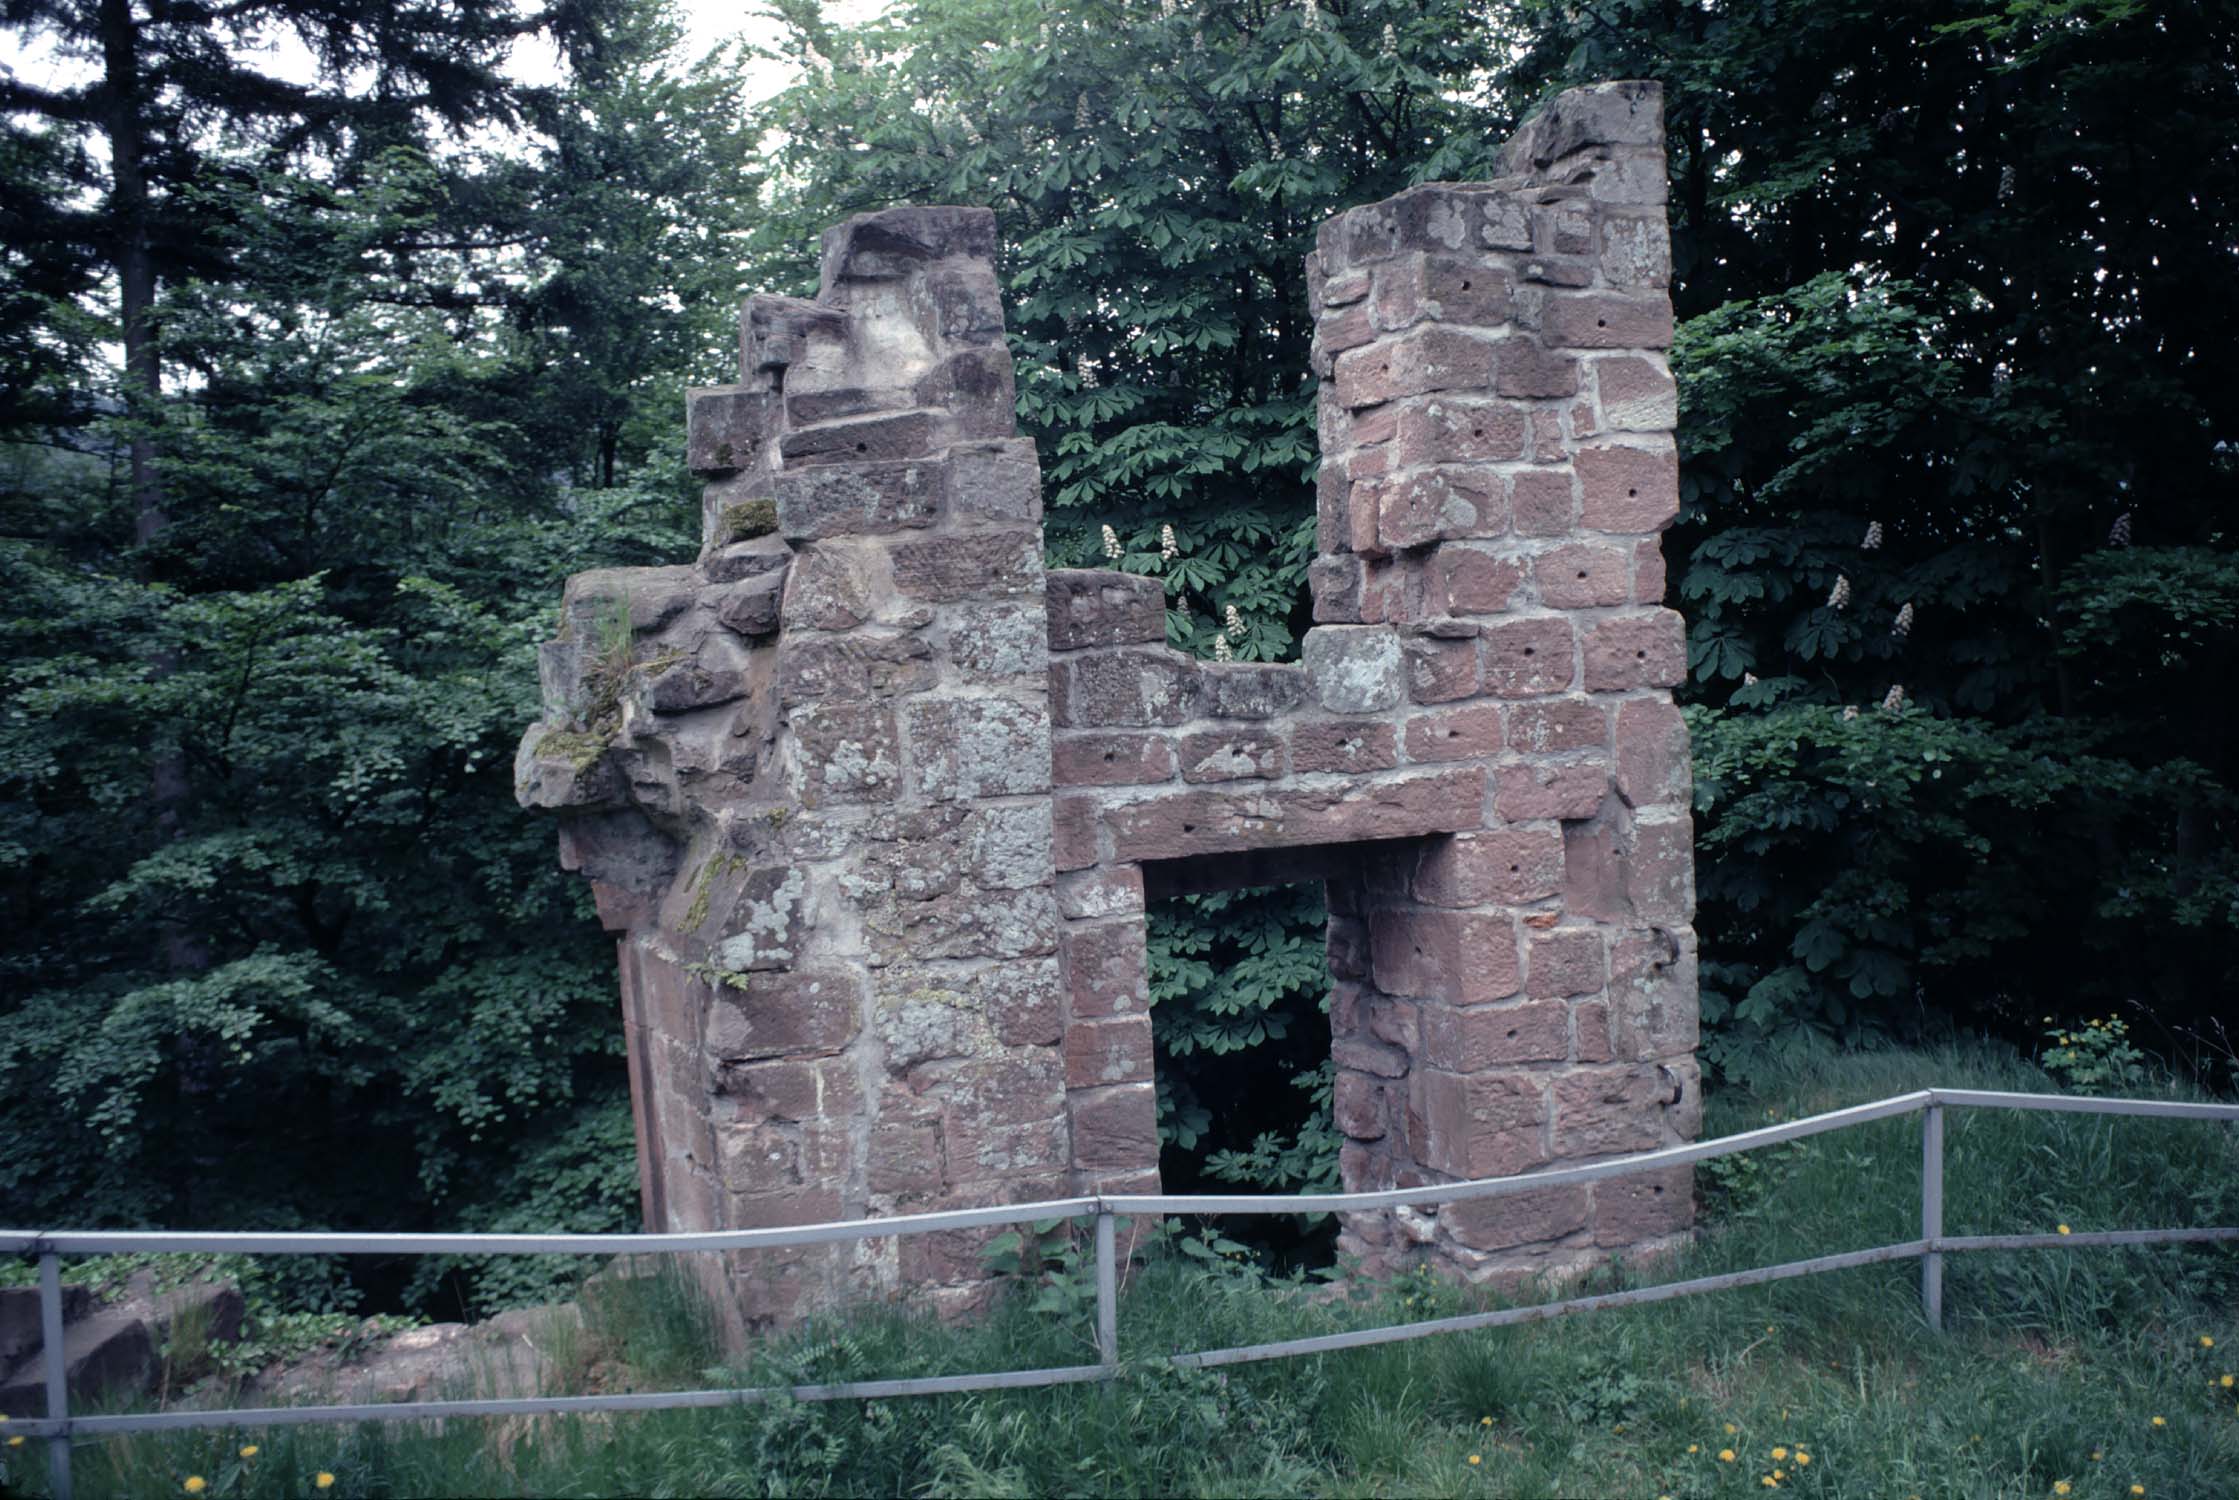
column 58, row 1428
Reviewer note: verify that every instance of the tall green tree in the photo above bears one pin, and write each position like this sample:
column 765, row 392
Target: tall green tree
column 375, row 479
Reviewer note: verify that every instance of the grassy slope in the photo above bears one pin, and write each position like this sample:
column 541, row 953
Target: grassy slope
column 2054, row 1369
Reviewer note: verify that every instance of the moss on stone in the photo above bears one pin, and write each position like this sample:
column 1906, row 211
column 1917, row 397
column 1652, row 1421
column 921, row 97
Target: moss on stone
column 579, row 751
column 746, row 520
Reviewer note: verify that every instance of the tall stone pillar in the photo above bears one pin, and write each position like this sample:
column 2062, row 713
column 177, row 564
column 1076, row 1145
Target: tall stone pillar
column 810, row 778
column 1496, row 420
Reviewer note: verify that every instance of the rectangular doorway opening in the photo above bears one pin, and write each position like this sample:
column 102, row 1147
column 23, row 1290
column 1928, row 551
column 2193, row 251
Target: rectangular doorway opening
column 1240, row 993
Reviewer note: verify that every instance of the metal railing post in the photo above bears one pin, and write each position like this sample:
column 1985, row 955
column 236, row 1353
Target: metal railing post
column 1932, row 1216
column 1107, row 1290
column 54, row 1358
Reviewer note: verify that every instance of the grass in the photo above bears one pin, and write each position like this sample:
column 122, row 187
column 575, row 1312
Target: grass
column 2053, row 1370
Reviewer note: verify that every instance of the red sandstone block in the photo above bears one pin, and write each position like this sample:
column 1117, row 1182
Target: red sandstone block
column 787, row 1209
column 1628, row 489
column 1373, row 425
column 1428, row 505
column 1447, row 290
column 1594, row 854
column 1504, row 866
column 1232, row 755
column 1115, row 1128
column 1652, row 755
column 1648, row 649
column 905, row 1156
column 1652, row 990
column 1100, row 607
column 1106, row 972
column 1440, row 671
column 1136, row 687
column 1395, row 1022
column 1530, row 793
column 1339, row 332
column 1347, row 946
column 1473, row 582
column 1446, row 430
column 1361, row 1055
column 1114, row 891
column 1643, row 1206
column 1333, row 516
column 784, row 1014
column 1454, row 733
column 795, row 1091
column 1527, row 370
column 1348, row 745
column 1483, row 1125
column 1584, row 576
column 1568, row 961
column 1637, row 395
column 1524, row 658
column 1464, row 958
column 1415, row 363
column 1108, row 1051
column 981, row 1152
column 1660, row 876
column 1208, row 822
column 1590, row 1022
column 1112, row 759
column 1364, row 504
column 1648, row 571
column 945, row 1258
column 1635, row 248
column 1541, row 502
column 1472, row 1038
column 1606, row 1111
column 1608, row 320
column 1357, row 1105
column 1540, row 1217
column 1073, row 832
column 1559, row 724
column 973, row 565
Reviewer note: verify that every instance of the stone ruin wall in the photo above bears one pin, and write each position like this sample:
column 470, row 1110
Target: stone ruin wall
column 874, row 802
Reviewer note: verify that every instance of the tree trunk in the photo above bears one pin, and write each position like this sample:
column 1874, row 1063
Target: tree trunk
column 134, row 259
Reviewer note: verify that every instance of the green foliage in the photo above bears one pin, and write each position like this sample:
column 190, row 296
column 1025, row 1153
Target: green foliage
column 259, row 855
column 1235, row 974
column 2095, row 1058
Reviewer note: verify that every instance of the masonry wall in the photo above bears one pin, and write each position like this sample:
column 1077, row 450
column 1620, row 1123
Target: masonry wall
column 874, row 804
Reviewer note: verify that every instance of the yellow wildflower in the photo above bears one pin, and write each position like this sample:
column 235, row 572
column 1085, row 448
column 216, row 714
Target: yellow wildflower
column 1475, row 1459
column 2061, row 1227
column 1780, row 1473
column 1769, row 1482
column 2225, row 1382
column 1484, row 1421
column 1803, row 1459
column 2061, row 1487
column 2097, row 1454
column 16, row 1441
column 195, row 1484
column 1725, row 1455
column 2207, row 1342
column 1731, row 1429
column 250, row 1451
column 2161, row 1421
column 1779, row 1454
column 1694, row 1447
column 325, row 1481
column 2137, row 1489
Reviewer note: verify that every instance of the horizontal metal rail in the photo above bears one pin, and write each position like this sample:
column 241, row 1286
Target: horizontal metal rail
column 58, row 1427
